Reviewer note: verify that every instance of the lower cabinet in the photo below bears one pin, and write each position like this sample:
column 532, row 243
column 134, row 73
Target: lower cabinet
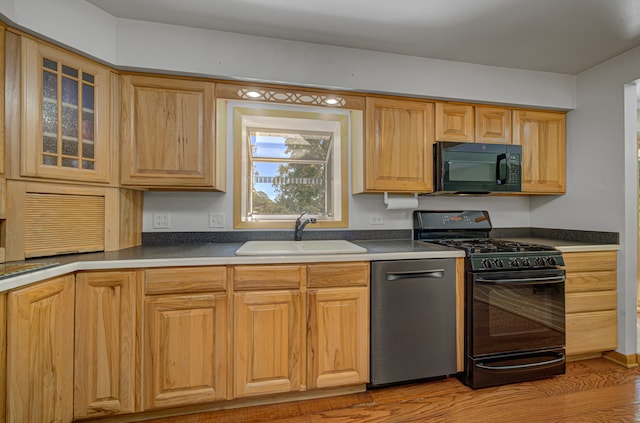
column 108, row 343
column 267, row 329
column 267, row 342
column 185, row 337
column 338, row 325
column 107, row 305
column 591, row 302
column 40, row 352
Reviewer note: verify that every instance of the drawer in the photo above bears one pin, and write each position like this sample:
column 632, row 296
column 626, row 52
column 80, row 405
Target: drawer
column 268, row 277
column 590, row 261
column 176, row 280
column 591, row 281
column 591, row 332
column 591, row 301
column 338, row 274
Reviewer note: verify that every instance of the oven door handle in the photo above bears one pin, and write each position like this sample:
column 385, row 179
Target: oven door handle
column 560, row 359
column 435, row 273
column 529, row 281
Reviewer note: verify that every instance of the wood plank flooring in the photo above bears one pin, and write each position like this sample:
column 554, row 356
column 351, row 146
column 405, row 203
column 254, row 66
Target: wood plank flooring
column 595, row 390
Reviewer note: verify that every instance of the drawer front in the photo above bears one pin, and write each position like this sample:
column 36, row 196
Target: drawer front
column 175, row 280
column 591, row 281
column 590, row 261
column 592, row 332
column 591, row 301
column 268, row 277
column 338, row 274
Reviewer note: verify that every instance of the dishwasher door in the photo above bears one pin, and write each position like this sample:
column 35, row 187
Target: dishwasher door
column 413, row 320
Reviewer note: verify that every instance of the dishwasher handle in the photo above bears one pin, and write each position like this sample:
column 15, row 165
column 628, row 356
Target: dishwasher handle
column 415, row 274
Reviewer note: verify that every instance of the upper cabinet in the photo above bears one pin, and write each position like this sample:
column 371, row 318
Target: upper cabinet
column 542, row 137
column 493, row 124
column 58, row 113
column 454, row 122
column 168, row 136
column 397, row 148
column 469, row 123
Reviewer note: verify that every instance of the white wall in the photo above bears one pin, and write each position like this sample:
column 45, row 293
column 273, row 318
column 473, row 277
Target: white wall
column 602, row 174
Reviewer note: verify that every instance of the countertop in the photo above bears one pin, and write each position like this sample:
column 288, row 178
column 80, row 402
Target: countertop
column 207, row 254
column 568, row 246
column 218, row 254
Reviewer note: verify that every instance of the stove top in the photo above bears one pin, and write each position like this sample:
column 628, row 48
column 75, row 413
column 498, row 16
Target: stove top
column 469, row 230
column 481, row 246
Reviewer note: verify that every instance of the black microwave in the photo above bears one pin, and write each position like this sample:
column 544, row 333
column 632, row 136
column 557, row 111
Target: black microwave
column 474, row 168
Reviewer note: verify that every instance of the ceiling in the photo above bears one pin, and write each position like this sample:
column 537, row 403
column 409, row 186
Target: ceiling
column 563, row 36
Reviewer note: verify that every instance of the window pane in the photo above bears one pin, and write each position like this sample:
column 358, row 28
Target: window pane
column 49, row 85
column 50, row 64
column 287, row 188
column 66, row 70
column 290, row 145
column 69, row 91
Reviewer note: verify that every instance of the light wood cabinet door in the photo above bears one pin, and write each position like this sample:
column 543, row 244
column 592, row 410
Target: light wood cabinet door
column 338, row 337
column 591, row 302
column 40, row 352
column 542, row 136
column 267, row 334
column 107, row 306
column 167, row 132
column 65, row 114
column 185, row 349
column 398, row 146
column 493, row 125
column 3, row 356
column 455, row 122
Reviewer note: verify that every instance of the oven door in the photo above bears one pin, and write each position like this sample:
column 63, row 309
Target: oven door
column 515, row 311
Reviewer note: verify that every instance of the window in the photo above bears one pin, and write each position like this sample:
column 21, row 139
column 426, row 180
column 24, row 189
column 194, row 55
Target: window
column 289, row 160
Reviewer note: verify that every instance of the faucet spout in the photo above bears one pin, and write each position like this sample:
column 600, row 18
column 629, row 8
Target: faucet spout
column 301, row 224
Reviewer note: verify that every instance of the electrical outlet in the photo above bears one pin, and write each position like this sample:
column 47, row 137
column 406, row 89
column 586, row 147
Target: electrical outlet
column 161, row 221
column 216, row 220
column 376, row 219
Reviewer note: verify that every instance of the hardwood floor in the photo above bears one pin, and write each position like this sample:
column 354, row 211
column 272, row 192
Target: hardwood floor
column 595, row 390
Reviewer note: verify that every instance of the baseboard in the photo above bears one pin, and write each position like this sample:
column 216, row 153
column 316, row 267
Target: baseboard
column 629, row 361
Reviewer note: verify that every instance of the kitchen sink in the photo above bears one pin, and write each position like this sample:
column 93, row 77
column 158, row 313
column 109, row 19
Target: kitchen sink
column 278, row 248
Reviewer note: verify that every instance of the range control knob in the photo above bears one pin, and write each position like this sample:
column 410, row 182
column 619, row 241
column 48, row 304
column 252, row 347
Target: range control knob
column 526, row 262
column 540, row 261
column 487, row 263
column 498, row 263
column 514, row 262
column 551, row 261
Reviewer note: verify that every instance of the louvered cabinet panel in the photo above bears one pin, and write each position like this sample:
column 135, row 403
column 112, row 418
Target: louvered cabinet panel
column 57, row 224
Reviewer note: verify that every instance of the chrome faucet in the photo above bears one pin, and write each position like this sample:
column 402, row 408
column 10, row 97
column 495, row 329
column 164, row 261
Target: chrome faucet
column 300, row 225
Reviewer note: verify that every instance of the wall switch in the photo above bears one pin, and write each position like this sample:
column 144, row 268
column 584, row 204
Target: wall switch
column 376, row 219
column 161, row 221
column 216, row 220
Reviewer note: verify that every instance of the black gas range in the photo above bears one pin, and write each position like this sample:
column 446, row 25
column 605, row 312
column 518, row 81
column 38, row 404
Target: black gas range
column 514, row 299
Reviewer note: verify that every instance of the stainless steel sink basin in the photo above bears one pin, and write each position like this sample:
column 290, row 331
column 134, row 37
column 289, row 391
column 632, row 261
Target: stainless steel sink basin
column 278, row 248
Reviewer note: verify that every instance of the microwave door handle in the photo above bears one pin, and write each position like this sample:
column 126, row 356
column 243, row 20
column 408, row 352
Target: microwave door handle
column 499, row 179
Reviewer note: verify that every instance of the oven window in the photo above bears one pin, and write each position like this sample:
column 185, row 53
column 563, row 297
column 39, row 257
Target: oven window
column 516, row 317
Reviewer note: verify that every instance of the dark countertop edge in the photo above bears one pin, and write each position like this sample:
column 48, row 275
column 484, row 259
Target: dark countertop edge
column 572, row 235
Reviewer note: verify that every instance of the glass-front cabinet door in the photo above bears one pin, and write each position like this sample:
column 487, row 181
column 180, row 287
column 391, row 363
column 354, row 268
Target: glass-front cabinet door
column 65, row 115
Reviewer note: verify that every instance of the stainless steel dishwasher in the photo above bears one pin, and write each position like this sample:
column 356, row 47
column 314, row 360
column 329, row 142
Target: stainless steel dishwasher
column 413, row 320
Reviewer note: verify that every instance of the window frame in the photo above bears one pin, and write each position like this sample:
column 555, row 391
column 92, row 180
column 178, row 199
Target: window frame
column 242, row 111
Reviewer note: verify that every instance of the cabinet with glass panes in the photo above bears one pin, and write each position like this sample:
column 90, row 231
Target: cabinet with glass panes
column 65, row 115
